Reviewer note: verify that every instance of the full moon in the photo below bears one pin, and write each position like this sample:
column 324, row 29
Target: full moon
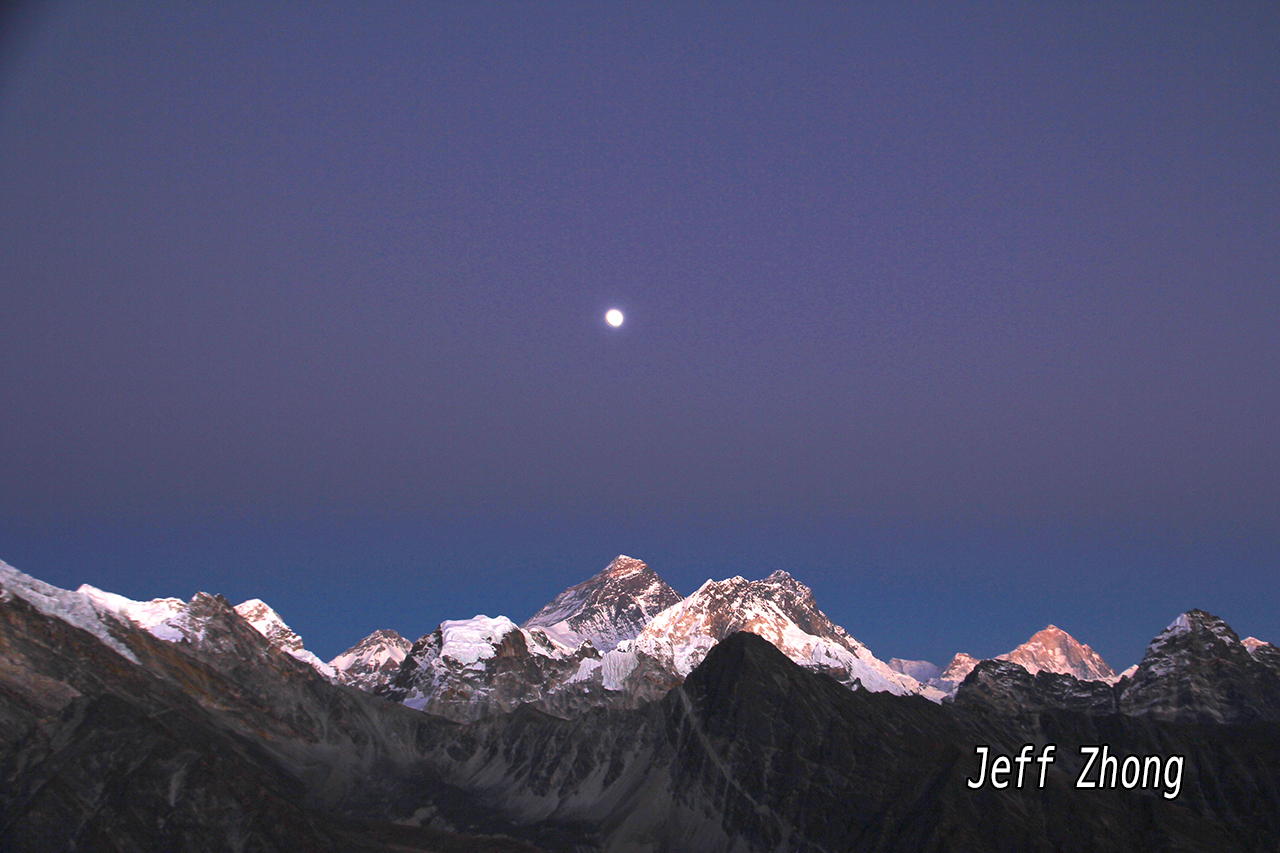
column 613, row 317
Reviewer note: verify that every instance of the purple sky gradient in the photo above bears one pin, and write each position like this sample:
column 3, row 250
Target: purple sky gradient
column 967, row 316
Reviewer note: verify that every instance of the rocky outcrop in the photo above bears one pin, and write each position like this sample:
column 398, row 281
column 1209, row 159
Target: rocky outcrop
column 1198, row 670
column 1005, row 687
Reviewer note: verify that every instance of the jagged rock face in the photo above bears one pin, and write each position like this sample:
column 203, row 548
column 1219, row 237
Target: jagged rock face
column 225, row 742
column 256, row 612
column 920, row 670
column 169, row 619
column 1054, row 650
column 783, row 611
column 371, row 663
column 270, row 625
column 754, row 754
column 572, row 655
column 1198, row 670
column 610, row 608
column 472, row 668
column 1005, row 687
column 210, row 742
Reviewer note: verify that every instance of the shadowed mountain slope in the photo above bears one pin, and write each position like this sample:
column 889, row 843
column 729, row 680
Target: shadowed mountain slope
column 112, row 739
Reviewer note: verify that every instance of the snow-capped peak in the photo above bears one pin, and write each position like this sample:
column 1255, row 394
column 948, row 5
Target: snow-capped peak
column 1253, row 644
column 1054, row 650
column 607, row 609
column 781, row 610
column 380, row 649
column 373, row 661
column 268, row 623
column 956, row 672
column 1192, row 622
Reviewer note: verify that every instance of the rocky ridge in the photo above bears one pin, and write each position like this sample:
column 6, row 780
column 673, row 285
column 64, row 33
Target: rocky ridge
column 471, row 668
column 1195, row 671
column 1050, row 650
column 1198, row 670
column 170, row 619
column 468, row 669
column 233, row 743
column 783, row 611
column 268, row 623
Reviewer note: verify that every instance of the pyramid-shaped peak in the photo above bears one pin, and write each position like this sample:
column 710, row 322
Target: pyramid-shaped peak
column 1198, row 621
column 1054, row 650
column 385, row 635
column 608, row 608
column 1051, row 634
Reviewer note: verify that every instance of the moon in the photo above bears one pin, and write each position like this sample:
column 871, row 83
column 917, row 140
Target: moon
column 613, row 317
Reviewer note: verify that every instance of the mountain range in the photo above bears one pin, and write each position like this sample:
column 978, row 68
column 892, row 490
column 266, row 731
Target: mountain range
column 619, row 717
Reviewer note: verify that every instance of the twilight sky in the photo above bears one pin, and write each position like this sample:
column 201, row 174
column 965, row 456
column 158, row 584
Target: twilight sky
column 966, row 315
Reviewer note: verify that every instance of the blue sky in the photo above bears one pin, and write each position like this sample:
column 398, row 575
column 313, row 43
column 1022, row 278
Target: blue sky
column 965, row 316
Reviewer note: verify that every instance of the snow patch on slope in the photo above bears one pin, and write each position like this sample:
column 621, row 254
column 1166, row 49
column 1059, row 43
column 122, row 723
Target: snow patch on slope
column 920, row 670
column 146, row 614
column 74, row 608
column 468, row 641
